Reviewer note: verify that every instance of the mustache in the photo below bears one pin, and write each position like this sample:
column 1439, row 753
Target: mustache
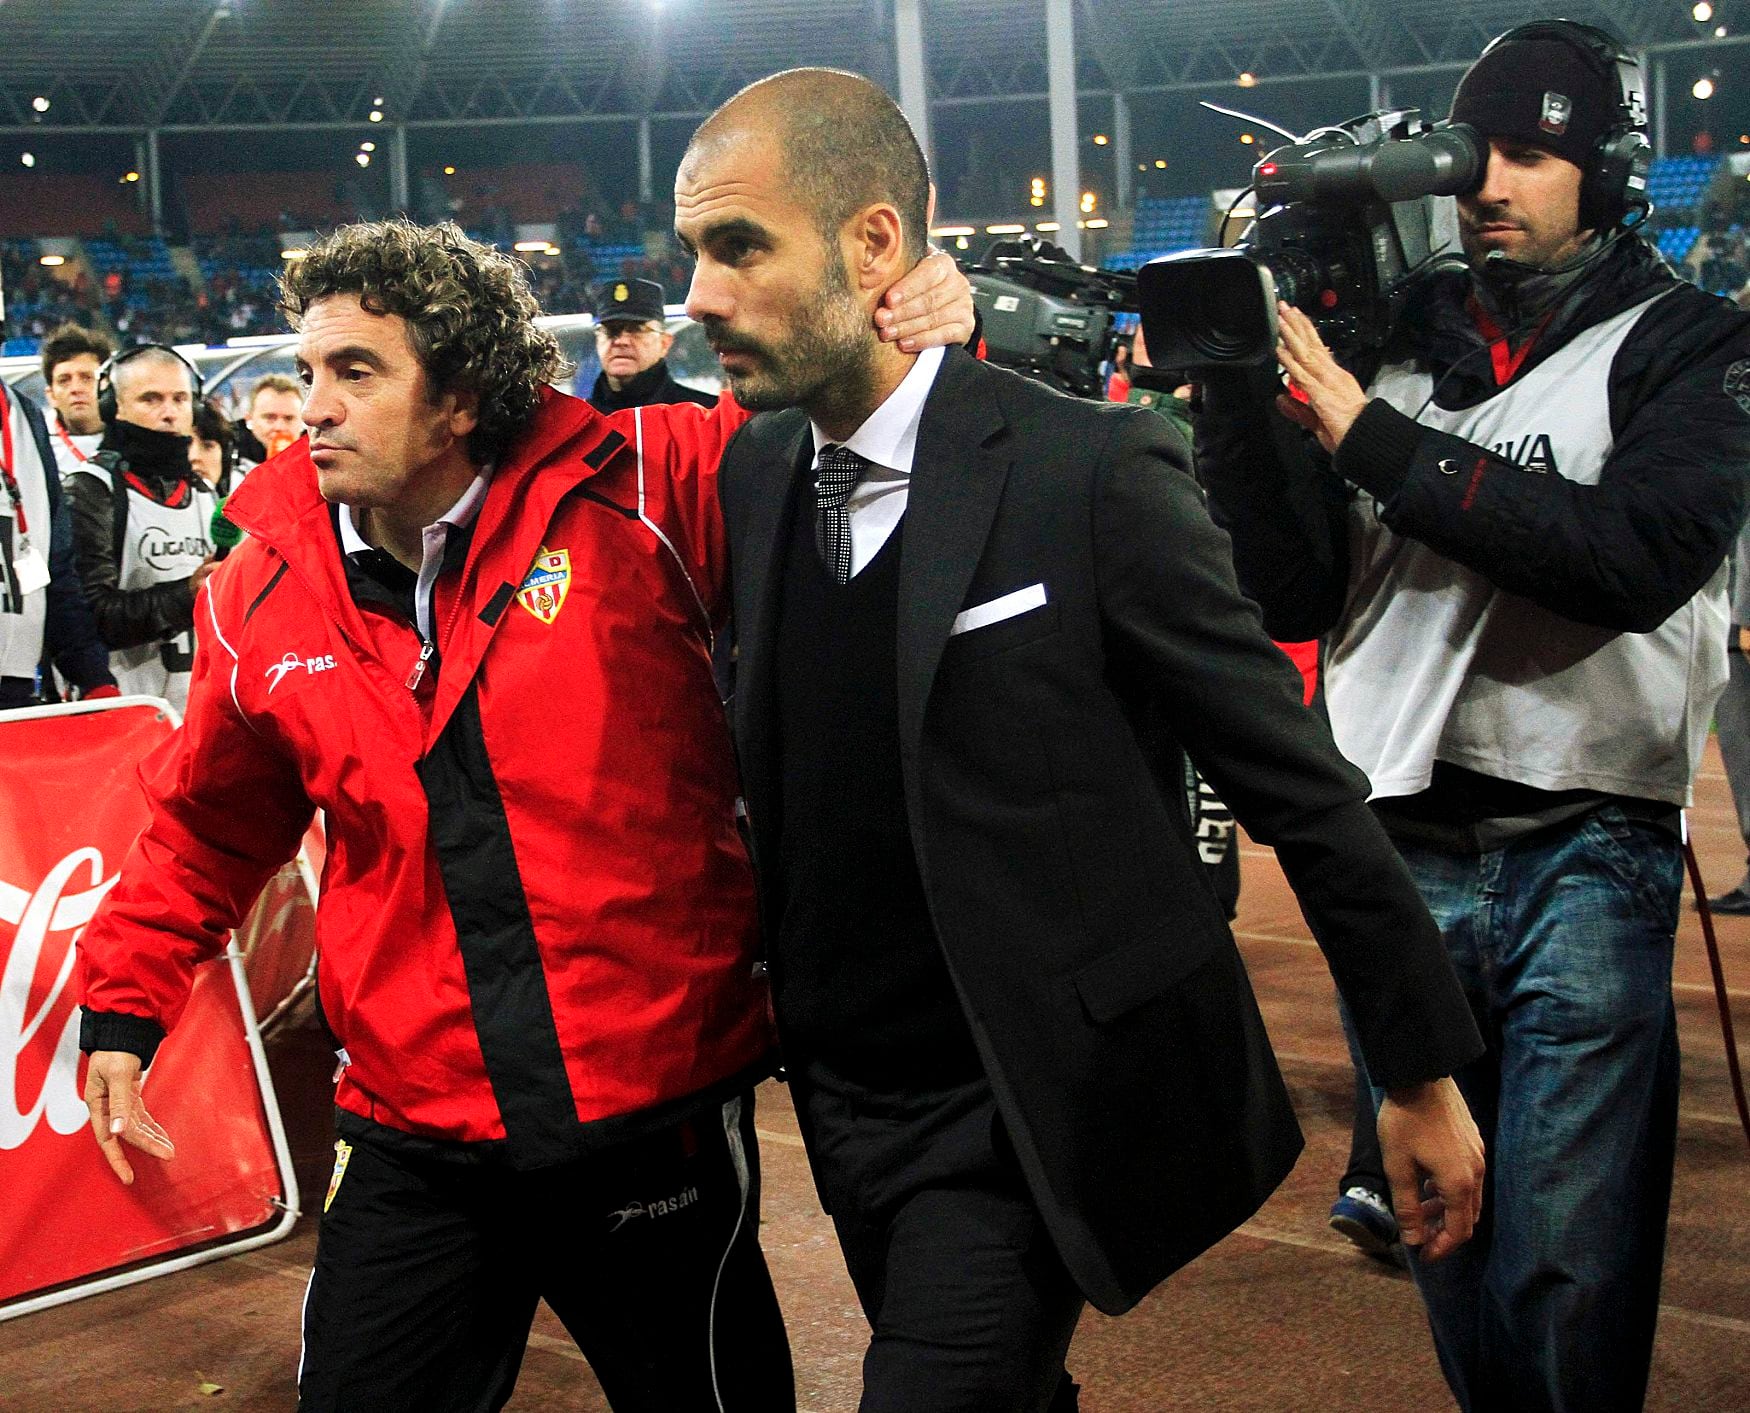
column 1488, row 216
column 722, row 341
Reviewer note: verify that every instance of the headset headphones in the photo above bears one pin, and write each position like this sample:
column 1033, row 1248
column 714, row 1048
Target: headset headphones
column 1614, row 181
column 106, row 402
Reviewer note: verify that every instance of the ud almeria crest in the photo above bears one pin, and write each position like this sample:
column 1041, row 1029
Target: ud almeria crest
column 546, row 584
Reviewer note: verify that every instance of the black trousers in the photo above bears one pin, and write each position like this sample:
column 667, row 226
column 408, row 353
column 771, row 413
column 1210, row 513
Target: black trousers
column 969, row 1306
column 428, row 1271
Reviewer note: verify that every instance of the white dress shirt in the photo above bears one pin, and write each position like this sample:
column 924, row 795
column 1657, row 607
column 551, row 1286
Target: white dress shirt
column 887, row 440
column 432, row 541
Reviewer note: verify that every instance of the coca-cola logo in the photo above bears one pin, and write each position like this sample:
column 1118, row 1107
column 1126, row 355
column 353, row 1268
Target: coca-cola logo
column 34, row 998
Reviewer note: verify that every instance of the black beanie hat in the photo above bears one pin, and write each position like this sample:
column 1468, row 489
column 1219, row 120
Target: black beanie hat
column 1544, row 90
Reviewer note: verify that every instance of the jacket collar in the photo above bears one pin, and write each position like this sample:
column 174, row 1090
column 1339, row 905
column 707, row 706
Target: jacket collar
column 565, row 443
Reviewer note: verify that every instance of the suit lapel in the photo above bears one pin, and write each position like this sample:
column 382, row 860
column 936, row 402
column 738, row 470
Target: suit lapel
column 957, row 482
column 760, row 565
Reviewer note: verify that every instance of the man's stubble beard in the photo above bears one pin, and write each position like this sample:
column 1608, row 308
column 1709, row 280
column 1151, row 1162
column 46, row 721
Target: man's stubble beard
column 826, row 361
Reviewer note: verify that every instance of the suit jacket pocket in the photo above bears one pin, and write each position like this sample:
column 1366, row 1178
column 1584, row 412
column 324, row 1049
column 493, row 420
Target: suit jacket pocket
column 1123, row 980
column 1000, row 636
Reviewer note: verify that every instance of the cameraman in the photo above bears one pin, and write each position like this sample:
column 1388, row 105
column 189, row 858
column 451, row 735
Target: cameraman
column 1512, row 526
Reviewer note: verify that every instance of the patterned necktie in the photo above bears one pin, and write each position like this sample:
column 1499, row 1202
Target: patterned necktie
column 835, row 477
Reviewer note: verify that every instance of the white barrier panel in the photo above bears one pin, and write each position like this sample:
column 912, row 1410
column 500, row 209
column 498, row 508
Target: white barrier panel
column 70, row 807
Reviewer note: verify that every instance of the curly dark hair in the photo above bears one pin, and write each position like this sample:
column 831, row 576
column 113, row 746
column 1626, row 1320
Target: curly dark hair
column 468, row 307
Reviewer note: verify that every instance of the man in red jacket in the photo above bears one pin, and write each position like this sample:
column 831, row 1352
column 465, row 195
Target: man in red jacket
column 472, row 623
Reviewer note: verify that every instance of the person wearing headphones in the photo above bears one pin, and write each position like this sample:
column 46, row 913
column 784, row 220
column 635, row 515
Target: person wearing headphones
column 142, row 521
column 1512, row 524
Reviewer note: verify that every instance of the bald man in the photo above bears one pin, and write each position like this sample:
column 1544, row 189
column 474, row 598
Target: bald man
column 142, row 521
column 979, row 624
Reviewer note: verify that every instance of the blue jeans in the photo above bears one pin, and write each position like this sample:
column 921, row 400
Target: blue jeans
column 1562, row 941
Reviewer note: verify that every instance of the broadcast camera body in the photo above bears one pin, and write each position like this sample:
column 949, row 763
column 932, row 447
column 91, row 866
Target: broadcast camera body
column 1350, row 217
column 1047, row 316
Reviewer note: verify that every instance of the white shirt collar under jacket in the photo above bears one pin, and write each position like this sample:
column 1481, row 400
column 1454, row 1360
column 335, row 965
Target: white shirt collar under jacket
column 888, row 437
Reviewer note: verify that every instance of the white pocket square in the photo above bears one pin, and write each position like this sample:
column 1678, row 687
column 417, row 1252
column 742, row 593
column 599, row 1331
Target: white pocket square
column 1008, row 606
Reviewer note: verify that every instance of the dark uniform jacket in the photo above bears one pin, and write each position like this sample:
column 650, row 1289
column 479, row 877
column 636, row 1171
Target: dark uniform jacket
column 654, row 385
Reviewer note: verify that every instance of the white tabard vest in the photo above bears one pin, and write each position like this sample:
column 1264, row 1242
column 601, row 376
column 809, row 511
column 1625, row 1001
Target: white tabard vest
column 22, row 616
column 1433, row 662
column 160, row 546
column 71, row 451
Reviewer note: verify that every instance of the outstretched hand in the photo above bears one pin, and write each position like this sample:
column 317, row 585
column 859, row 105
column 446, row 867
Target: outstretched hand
column 1433, row 1159
column 1333, row 398
column 930, row 306
column 112, row 1094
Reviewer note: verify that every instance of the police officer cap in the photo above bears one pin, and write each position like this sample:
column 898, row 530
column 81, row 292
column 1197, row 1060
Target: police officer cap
column 634, row 301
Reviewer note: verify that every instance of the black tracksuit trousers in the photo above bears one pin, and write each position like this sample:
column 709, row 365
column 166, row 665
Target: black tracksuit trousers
column 428, row 1270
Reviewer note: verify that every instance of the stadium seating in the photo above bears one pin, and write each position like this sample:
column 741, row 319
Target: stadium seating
column 1678, row 183
column 64, row 203
column 1164, row 225
column 140, row 261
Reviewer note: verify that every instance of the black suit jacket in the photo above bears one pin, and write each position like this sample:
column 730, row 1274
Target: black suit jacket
column 1044, row 792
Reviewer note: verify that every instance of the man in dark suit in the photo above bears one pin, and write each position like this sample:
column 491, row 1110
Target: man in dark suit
column 979, row 621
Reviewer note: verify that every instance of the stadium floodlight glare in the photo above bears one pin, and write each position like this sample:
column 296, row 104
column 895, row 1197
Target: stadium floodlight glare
column 40, row 103
column 363, row 159
column 130, row 176
column 376, row 103
column 1247, row 138
column 1160, row 164
column 367, row 147
column 1719, row 31
column 529, row 247
column 1702, row 13
column 1247, row 80
column 51, row 260
column 1100, row 139
column 1005, row 229
column 1704, row 88
column 28, row 158
column 376, row 115
column 1089, row 201
column 449, row 171
column 961, row 243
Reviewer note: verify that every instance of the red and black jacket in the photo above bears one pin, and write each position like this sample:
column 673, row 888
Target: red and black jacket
column 536, row 924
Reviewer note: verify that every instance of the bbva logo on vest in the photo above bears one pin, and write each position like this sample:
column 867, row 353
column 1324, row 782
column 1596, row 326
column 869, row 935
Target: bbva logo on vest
column 1532, row 452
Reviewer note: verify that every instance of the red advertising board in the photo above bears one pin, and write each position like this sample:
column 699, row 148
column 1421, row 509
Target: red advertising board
column 70, row 807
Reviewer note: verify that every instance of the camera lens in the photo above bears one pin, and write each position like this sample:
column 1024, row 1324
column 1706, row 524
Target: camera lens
column 1297, row 275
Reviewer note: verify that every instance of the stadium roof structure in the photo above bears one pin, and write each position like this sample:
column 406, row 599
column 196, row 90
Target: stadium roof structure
column 128, row 65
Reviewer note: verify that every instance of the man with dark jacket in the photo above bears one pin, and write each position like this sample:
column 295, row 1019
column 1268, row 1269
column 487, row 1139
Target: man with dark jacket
column 632, row 341
column 1512, row 524
column 979, row 621
column 142, row 521
column 43, row 612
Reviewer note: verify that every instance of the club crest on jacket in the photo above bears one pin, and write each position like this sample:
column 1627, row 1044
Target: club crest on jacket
column 545, row 585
